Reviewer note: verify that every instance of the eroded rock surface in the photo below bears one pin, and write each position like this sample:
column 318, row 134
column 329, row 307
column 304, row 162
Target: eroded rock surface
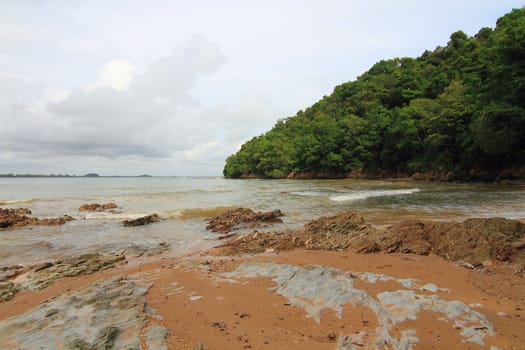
column 241, row 218
column 471, row 242
column 11, row 218
column 47, row 273
column 106, row 315
column 317, row 287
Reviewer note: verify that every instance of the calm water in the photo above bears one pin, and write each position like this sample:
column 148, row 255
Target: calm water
column 186, row 202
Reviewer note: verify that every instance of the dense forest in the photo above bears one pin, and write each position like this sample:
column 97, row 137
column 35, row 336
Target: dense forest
column 454, row 113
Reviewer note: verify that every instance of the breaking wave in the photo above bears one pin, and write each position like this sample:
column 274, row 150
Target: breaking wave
column 16, row 201
column 369, row 194
column 196, row 213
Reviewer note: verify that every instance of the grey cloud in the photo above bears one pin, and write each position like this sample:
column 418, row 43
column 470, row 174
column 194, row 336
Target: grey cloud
column 149, row 119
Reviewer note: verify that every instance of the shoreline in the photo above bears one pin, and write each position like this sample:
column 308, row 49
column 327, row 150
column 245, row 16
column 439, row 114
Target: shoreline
column 208, row 300
column 195, row 300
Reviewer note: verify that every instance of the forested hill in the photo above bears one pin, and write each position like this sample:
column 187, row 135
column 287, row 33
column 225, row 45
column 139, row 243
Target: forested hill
column 455, row 113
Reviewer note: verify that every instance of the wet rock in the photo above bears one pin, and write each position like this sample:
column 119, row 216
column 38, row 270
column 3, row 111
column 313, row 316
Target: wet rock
column 471, row 241
column 97, row 207
column 315, row 288
column 105, row 315
column 339, row 232
column 10, row 218
column 146, row 250
column 241, row 218
column 47, row 273
column 148, row 219
column 7, row 290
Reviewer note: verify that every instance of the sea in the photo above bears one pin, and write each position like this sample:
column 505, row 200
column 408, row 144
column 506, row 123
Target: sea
column 185, row 204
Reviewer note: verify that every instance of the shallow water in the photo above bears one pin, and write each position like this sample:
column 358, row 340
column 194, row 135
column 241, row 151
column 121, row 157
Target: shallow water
column 186, row 202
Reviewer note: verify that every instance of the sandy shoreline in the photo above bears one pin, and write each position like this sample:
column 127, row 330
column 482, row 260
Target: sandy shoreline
column 194, row 300
column 311, row 288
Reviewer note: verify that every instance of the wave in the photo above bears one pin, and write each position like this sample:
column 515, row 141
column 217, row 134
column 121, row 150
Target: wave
column 196, row 213
column 16, row 201
column 369, row 194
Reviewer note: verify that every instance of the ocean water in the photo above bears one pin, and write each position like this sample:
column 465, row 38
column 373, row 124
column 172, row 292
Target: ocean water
column 186, row 202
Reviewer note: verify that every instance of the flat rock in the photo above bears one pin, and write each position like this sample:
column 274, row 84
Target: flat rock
column 106, row 315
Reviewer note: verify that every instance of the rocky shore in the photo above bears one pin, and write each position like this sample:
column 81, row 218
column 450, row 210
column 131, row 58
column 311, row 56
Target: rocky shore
column 336, row 283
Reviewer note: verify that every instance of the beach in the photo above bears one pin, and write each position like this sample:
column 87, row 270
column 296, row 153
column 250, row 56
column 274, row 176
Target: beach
column 347, row 280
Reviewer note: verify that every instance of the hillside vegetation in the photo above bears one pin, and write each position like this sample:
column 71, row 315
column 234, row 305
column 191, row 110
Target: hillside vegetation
column 455, row 113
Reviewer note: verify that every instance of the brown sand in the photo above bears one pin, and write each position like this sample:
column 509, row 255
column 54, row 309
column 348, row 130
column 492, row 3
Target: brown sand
column 248, row 315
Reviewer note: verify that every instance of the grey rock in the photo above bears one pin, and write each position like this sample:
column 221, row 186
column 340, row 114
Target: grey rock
column 316, row 287
column 157, row 338
column 103, row 315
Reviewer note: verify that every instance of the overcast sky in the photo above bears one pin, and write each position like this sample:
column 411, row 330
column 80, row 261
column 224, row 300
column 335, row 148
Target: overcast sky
column 174, row 87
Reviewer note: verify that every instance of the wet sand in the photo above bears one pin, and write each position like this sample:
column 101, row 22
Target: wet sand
column 194, row 299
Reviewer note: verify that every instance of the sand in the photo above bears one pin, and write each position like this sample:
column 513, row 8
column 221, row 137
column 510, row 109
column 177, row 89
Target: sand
column 204, row 305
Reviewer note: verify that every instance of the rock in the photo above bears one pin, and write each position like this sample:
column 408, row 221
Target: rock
column 200, row 346
column 241, row 218
column 146, row 249
column 10, row 218
column 315, row 288
column 108, row 314
column 7, row 290
column 47, row 273
column 157, row 338
column 473, row 241
column 97, row 207
column 148, row 219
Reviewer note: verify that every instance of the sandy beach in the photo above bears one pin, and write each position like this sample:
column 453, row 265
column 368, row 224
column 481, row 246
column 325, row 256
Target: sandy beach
column 202, row 304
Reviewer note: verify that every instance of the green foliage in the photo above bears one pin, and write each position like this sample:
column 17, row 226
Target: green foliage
column 456, row 108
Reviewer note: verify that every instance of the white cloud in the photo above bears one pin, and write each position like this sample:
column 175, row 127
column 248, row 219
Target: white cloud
column 116, row 74
column 93, row 86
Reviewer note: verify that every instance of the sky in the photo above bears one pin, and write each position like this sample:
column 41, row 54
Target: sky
column 174, row 87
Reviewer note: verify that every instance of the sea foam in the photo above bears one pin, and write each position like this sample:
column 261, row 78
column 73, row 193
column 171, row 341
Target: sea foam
column 369, row 194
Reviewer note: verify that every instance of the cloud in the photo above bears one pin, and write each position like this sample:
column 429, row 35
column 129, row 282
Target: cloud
column 124, row 113
column 96, row 86
column 116, row 74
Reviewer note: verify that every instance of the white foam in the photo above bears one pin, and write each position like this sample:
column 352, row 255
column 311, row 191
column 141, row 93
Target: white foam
column 369, row 194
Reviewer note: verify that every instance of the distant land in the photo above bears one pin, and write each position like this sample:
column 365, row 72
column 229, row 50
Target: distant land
column 68, row 175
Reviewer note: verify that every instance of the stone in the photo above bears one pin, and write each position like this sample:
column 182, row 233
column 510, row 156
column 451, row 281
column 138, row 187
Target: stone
column 241, row 218
column 315, row 288
column 98, row 316
column 12, row 218
column 97, row 207
column 144, row 220
column 7, row 290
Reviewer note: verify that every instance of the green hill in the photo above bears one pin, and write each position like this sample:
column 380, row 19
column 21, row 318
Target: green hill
column 455, row 113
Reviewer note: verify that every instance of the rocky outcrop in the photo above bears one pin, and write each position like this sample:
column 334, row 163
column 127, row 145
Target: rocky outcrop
column 316, row 288
column 241, row 218
column 472, row 241
column 11, row 218
column 144, row 220
column 97, row 207
column 106, row 315
column 47, row 273
column 44, row 274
